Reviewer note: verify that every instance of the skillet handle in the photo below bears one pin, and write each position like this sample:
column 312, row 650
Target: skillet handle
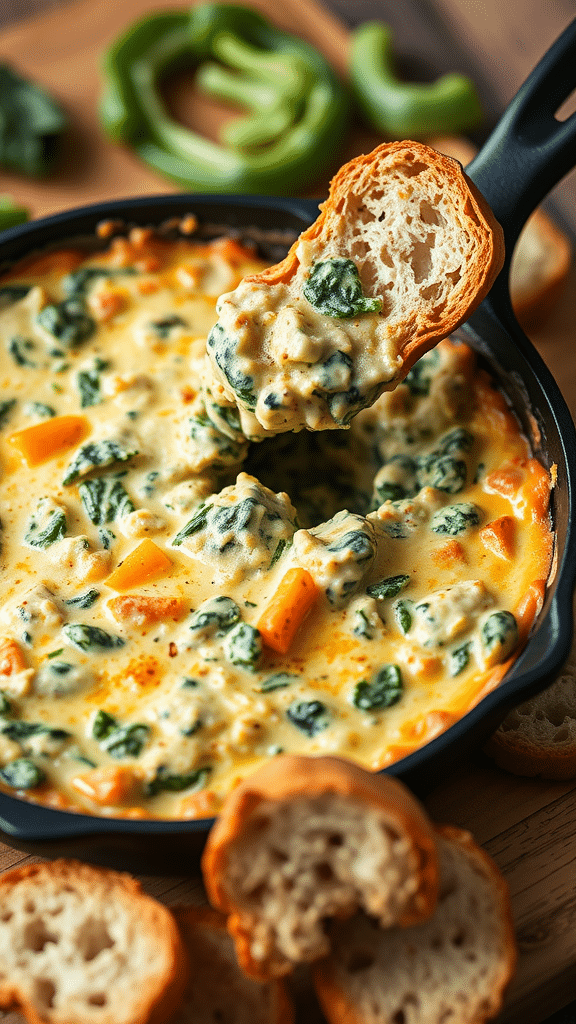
column 530, row 150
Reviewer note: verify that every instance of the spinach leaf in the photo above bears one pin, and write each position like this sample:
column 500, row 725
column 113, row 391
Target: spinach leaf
column 243, row 646
column 103, row 724
column 31, row 125
column 500, row 634
column 198, row 522
column 278, row 681
column 43, row 412
column 460, row 658
column 6, row 408
column 403, row 614
column 88, row 384
column 47, row 525
column 22, row 774
column 384, row 689
column 19, row 348
column 85, row 600
column 454, row 519
column 389, row 587
column 91, row 638
column 215, row 614
column 162, row 328
column 95, row 455
column 334, row 288
column 443, row 472
column 310, row 716
column 68, row 321
column 225, row 355
column 5, row 705
column 420, row 377
column 126, row 740
column 77, row 283
column 163, row 781
column 105, row 499
column 21, row 731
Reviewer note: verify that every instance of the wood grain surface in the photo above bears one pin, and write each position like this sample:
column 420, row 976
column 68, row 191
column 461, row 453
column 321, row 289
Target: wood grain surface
column 528, row 826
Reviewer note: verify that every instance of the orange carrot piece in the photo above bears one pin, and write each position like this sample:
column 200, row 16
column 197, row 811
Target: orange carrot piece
column 506, row 480
column 498, row 536
column 529, row 607
column 11, row 657
column 231, row 250
column 539, row 485
column 287, row 609
column 145, row 609
column 107, row 786
column 146, row 562
column 49, row 438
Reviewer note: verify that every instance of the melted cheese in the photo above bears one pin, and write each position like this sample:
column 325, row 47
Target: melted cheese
column 144, row 538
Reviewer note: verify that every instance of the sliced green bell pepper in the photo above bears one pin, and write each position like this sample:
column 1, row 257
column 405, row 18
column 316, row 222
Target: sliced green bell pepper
column 406, row 110
column 297, row 108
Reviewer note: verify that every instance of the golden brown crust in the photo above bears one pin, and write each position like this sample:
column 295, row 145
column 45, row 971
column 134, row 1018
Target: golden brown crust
column 288, row 777
column 158, row 1000
column 270, row 1002
column 359, row 176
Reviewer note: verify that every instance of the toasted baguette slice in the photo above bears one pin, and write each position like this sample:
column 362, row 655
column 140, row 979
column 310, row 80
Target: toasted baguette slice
column 538, row 738
column 425, row 244
column 541, row 260
column 305, row 839
column 82, row 945
column 453, row 967
column 217, row 989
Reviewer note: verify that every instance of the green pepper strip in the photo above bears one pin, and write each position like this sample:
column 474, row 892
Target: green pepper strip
column 10, row 213
column 304, row 99
column 406, row 110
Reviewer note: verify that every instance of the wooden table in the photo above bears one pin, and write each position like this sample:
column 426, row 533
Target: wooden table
column 528, row 826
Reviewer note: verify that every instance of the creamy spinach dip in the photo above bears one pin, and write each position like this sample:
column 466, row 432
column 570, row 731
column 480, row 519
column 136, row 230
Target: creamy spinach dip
column 180, row 601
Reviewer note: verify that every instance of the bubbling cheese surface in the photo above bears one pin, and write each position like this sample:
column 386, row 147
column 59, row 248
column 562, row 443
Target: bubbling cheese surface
column 144, row 539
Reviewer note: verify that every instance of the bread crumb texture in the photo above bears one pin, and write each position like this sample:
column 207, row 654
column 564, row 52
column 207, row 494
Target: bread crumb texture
column 281, row 866
column 81, row 945
column 455, row 966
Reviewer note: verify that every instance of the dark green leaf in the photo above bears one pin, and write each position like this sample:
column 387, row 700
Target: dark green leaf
column 5, row 409
column 243, row 646
column 95, row 455
column 47, row 525
column 85, row 600
column 91, row 638
column 103, row 724
column 382, row 691
column 454, row 519
column 198, row 522
column 460, row 659
column 388, row 587
column 278, row 681
column 105, row 499
column 31, row 124
column 22, row 774
column 20, row 348
column 68, row 321
column 165, row 782
column 334, row 288
column 162, row 328
column 126, row 740
column 403, row 613
column 310, row 716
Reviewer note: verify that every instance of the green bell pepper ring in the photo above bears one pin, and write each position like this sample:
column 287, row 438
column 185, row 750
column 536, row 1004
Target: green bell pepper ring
column 11, row 213
column 298, row 110
column 406, row 110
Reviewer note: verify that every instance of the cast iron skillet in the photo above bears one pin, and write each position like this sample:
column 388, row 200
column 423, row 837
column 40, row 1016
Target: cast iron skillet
column 526, row 155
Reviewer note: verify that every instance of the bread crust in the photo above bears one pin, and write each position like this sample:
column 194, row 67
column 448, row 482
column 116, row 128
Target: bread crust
column 360, row 176
column 340, row 1008
column 156, row 997
column 286, row 778
column 266, row 1004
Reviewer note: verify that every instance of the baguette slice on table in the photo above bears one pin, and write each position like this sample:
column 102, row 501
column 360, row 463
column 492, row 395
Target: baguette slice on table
column 306, row 344
column 217, row 990
column 305, row 839
column 538, row 738
column 454, row 967
column 81, row 945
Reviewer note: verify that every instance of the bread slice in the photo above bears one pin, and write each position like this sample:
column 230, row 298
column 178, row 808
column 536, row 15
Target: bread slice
column 538, row 738
column 426, row 246
column 82, row 945
column 454, row 967
column 305, row 839
column 542, row 257
column 217, row 989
